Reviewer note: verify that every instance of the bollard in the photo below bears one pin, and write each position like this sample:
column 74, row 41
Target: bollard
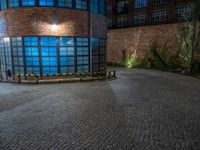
column 114, row 74
column 19, row 79
column 81, row 77
column 109, row 75
column 37, row 79
column 59, row 77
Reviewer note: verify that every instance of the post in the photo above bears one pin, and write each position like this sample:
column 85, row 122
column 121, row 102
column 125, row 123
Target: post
column 37, row 79
column 109, row 74
column 19, row 79
column 114, row 74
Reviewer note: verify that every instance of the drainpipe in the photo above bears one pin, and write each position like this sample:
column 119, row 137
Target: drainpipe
column 90, row 33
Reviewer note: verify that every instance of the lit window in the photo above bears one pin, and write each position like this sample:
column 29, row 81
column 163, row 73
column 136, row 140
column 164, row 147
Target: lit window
column 28, row 2
column 46, row 2
column 141, row 3
column 82, row 54
column 94, row 6
column 65, row 3
column 3, row 4
column 13, row 3
column 102, row 7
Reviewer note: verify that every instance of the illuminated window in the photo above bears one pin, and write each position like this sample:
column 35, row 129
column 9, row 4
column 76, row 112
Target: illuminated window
column 18, row 54
column 102, row 54
column 3, row 4
column 67, row 54
column 49, row 55
column 46, row 2
column 28, row 2
column 94, row 6
column 82, row 54
column 13, row 3
column 141, row 3
column 95, row 54
column 65, row 3
column 102, row 7
column 31, row 55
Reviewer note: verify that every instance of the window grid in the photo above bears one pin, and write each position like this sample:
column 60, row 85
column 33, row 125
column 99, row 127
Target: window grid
column 18, row 56
column 159, row 16
column 139, row 19
column 51, row 55
column 96, row 6
column 82, row 56
column 65, row 3
column 160, row 2
column 122, row 21
column 140, row 3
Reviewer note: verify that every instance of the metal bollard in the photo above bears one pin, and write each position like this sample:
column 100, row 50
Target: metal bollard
column 109, row 75
column 19, row 79
column 37, row 79
column 114, row 74
column 81, row 77
column 59, row 77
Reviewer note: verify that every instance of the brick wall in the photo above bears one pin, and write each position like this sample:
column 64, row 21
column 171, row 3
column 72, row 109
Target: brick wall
column 134, row 41
column 40, row 20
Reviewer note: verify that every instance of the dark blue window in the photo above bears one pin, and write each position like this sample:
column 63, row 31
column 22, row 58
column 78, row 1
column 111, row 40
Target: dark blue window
column 46, row 2
column 3, row 4
column 95, row 54
column 140, row 3
column 81, row 4
column 67, row 55
column 31, row 55
column 28, row 2
column 94, row 6
column 102, row 7
column 65, row 3
column 49, row 54
column 82, row 54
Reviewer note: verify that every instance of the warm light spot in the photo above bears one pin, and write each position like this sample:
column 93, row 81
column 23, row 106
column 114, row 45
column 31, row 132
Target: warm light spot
column 54, row 27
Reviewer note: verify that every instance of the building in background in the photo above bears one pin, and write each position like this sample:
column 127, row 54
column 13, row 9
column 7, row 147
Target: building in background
column 52, row 37
column 133, row 24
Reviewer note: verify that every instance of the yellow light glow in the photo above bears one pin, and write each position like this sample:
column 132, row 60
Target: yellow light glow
column 54, row 27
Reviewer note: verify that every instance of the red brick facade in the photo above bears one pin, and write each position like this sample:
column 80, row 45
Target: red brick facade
column 41, row 21
column 134, row 41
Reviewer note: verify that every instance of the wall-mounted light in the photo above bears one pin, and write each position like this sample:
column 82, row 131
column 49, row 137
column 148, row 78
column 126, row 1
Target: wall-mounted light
column 54, row 26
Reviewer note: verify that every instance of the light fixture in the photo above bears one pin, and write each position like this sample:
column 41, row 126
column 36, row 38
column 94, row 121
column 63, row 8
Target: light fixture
column 54, row 26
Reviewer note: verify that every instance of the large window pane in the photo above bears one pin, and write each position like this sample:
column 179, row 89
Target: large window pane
column 13, row 3
column 81, row 4
column 46, row 2
column 28, row 2
column 65, row 3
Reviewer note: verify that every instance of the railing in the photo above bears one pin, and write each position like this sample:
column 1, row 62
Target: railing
column 97, row 75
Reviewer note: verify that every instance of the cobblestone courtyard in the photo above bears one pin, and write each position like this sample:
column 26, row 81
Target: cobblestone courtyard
column 141, row 110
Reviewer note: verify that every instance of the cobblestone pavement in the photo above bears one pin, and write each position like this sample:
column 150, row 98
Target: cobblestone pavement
column 141, row 110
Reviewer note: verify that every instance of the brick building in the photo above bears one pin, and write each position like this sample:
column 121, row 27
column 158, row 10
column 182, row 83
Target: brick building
column 133, row 24
column 52, row 36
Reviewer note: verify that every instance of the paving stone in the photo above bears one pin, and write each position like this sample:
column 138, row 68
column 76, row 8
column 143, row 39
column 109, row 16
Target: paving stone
column 140, row 110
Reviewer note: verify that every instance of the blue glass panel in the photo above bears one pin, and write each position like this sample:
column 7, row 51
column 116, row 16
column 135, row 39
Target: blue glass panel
column 28, row 2
column 46, row 2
